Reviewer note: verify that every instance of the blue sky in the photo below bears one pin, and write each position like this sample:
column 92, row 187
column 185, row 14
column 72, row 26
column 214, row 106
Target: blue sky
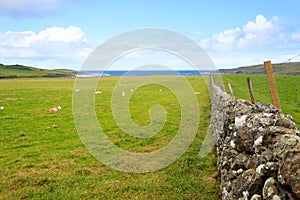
column 62, row 33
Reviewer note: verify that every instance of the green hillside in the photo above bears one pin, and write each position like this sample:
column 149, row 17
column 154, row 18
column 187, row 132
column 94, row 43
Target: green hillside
column 291, row 68
column 20, row 71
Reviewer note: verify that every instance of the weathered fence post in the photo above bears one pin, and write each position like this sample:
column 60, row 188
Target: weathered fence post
column 272, row 84
column 250, row 89
column 231, row 92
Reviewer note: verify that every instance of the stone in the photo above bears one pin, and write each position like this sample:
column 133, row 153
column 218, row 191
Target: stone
column 276, row 197
column 245, row 140
column 239, row 121
column 271, row 169
column 258, row 141
column 285, row 142
column 289, row 170
column 249, row 181
column 239, row 162
column 286, row 121
column 245, row 195
column 260, row 168
column 253, row 162
column 256, row 197
column 270, row 189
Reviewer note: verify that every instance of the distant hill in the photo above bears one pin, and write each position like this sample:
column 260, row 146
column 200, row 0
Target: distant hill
column 21, row 71
column 291, row 68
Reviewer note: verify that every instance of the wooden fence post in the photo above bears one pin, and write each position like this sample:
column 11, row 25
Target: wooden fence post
column 272, row 84
column 250, row 89
column 231, row 92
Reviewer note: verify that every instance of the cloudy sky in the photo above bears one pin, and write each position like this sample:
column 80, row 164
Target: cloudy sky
column 62, row 33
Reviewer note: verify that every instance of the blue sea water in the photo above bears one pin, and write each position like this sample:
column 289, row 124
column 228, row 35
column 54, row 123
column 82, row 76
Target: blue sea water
column 144, row 73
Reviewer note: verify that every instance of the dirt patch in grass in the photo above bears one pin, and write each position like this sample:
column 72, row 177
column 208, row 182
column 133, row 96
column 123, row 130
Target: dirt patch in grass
column 12, row 99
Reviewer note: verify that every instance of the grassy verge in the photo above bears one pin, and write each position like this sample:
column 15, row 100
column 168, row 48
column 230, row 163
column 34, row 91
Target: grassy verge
column 42, row 156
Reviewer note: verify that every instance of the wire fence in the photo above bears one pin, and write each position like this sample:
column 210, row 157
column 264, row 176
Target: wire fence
column 288, row 91
column 288, row 87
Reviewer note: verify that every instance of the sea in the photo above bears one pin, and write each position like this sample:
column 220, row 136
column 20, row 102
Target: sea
column 144, row 73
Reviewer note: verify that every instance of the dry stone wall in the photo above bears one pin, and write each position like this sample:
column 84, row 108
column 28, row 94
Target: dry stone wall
column 258, row 149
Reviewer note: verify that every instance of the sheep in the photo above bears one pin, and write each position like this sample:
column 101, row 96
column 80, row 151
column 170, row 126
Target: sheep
column 55, row 109
column 98, row 92
column 123, row 94
column 1, row 108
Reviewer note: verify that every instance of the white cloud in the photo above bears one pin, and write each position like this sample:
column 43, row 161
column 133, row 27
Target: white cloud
column 16, row 39
column 54, row 34
column 222, row 41
column 260, row 25
column 70, row 34
column 254, row 33
column 227, row 37
column 253, row 43
column 63, row 45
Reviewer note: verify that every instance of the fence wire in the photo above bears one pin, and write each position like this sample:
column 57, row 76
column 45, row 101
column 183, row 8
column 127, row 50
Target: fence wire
column 288, row 87
column 288, row 92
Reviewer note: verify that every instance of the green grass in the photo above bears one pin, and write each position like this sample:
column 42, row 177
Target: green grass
column 42, row 156
column 287, row 86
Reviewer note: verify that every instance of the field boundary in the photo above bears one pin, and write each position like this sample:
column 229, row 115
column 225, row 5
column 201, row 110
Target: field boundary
column 258, row 148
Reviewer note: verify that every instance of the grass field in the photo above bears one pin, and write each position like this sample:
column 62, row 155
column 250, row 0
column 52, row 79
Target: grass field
column 42, row 156
column 287, row 86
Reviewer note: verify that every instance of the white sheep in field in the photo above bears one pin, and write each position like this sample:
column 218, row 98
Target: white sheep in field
column 1, row 108
column 55, row 109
